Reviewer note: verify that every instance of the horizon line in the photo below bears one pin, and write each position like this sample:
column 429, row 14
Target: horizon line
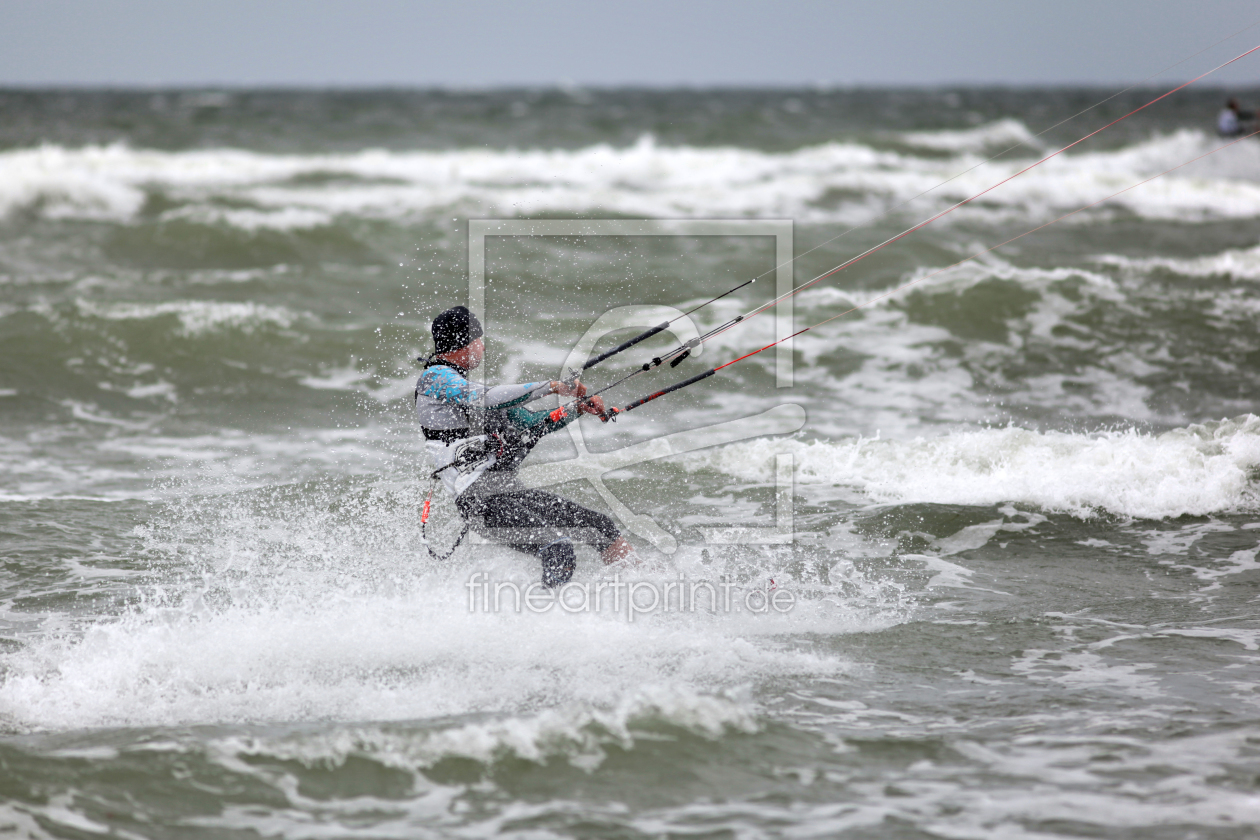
column 572, row 87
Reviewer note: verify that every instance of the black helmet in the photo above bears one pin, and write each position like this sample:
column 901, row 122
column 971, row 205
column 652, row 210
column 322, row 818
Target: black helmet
column 455, row 328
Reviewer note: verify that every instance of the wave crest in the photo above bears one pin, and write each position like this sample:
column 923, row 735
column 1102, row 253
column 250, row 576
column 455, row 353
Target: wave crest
column 832, row 182
column 1196, row 471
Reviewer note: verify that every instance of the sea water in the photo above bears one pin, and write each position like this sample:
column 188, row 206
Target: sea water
column 1009, row 513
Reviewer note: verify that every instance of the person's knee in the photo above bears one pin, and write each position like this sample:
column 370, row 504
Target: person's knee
column 558, row 563
column 469, row 506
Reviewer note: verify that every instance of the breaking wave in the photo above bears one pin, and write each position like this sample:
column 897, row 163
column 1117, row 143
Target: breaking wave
column 578, row 734
column 833, row 182
column 196, row 317
column 1196, row 471
column 318, row 602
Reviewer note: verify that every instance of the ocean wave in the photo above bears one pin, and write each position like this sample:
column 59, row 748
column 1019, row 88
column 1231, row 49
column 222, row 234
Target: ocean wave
column 1235, row 263
column 1195, row 471
column 1062, row 342
column 197, row 317
column 577, row 734
column 319, row 602
column 288, row 192
column 941, row 349
column 287, row 218
column 1000, row 134
column 349, row 654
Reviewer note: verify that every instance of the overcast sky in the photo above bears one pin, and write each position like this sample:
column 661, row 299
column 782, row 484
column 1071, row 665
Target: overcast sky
column 465, row 43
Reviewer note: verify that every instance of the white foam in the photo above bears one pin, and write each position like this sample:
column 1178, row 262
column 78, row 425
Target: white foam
column 1249, row 639
column 321, row 603
column 1078, row 786
column 1235, row 263
column 1193, row 471
column 286, row 218
column 1112, row 383
column 92, row 414
column 196, row 317
column 1087, row 670
column 1180, row 541
column 349, row 378
column 126, row 460
column 1002, row 133
column 645, row 179
column 906, row 374
column 577, row 733
column 419, row 654
column 68, row 183
column 165, row 390
column 1236, row 563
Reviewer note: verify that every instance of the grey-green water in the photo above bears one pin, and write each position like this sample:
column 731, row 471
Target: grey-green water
column 1022, row 495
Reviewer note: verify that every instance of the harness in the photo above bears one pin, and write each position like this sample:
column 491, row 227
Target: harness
column 498, row 442
column 424, row 518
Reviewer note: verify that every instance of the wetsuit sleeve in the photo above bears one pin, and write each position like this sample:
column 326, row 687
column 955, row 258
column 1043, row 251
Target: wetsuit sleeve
column 445, row 384
column 502, row 396
column 538, row 421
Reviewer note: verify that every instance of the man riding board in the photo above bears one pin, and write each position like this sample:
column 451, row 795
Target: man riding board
column 1232, row 121
column 477, row 438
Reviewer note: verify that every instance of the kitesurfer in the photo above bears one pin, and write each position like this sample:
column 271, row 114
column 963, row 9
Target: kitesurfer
column 1229, row 123
column 477, row 438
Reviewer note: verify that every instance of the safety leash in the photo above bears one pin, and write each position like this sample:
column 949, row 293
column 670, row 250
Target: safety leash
column 424, row 518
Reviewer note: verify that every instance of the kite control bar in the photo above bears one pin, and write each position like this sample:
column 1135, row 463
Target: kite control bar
column 611, row 413
column 676, row 386
column 625, row 345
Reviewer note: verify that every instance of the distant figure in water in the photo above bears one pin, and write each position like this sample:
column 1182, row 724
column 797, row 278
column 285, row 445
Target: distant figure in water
column 1231, row 121
column 478, row 436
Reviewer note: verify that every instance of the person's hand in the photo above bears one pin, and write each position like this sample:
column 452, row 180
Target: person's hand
column 564, row 389
column 594, row 405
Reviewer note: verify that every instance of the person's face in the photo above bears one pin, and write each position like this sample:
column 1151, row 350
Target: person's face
column 470, row 355
column 478, row 352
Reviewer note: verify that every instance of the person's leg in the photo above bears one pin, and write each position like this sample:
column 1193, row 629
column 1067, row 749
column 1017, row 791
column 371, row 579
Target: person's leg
column 511, row 520
column 578, row 523
column 535, row 521
column 581, row 524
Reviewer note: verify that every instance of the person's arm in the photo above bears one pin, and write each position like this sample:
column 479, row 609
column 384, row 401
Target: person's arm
column 540, row 423
column 505, row 396
column 446, row 384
